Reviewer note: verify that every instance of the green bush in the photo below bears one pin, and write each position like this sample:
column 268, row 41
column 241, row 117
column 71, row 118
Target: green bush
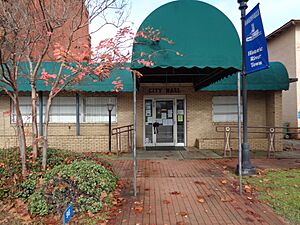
column 38, row 204
column 27, row 188
column 81, row 183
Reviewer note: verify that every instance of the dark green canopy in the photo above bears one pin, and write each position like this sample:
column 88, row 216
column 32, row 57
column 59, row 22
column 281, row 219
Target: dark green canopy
column 275, row 78
column 207, row 39
column 87, row 84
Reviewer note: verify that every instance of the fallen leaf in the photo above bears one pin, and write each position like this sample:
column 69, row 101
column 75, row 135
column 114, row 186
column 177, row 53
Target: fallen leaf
column 224, row 181
column 226, row 199
column 115, row 202
column 199, row 182
column 249, row 219
column 166, row 201
column 248, row 188
column 103, row 195
column 183, row 214
column 138, row 209
column 180, row 223
column 225, row 172
column 200, row 199
column 175, row 193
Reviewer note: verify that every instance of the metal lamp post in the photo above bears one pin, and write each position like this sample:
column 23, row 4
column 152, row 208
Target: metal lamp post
column 247, row 168
column 110, row 107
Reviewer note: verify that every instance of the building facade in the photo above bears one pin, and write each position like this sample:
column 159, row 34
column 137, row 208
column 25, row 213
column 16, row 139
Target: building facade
column 284, row 46
column 182, row 101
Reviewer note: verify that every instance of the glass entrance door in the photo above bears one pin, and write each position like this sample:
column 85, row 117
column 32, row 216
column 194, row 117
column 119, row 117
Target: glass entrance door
column 164, row 122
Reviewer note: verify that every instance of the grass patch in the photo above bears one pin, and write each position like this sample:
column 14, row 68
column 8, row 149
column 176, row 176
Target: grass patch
column 281, row 190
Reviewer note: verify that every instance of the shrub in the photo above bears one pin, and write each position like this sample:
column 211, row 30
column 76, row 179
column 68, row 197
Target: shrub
column 38, row 204
column 27, row 188
column 82, row 183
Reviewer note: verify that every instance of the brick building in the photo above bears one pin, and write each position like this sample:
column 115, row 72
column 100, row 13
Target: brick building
column 180, row 100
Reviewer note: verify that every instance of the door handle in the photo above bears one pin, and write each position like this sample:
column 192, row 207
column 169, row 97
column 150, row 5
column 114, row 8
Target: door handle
column 156, row 125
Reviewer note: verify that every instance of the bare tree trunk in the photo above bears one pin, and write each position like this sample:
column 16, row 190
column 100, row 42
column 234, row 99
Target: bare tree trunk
column 45, row 144
column 21, row 136
column 34, row 123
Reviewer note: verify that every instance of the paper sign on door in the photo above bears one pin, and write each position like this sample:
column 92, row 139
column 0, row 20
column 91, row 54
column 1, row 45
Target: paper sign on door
column 180, row 118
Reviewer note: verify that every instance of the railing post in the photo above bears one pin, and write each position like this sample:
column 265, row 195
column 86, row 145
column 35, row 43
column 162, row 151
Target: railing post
column 128, row 138
column 271, row 148
column 118, row 141
column 227, row 134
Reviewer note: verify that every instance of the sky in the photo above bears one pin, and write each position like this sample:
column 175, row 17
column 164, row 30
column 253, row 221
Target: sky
column 274, row 13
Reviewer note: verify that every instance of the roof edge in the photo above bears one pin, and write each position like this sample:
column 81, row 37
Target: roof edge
column 282, row 29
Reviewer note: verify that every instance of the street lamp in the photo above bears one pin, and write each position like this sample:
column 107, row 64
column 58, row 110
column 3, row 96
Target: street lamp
column 110, row 107
column 247, row 168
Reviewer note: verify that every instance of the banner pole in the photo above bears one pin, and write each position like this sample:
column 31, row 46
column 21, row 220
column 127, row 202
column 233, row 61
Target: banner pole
column 247, row 168
column 134, row 134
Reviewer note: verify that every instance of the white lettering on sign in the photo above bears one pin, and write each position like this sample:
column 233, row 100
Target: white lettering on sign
column 255, row 55
column 167, row 90
column 253, row 52
column 256, row 64
column 68, row 213
column 252, row 17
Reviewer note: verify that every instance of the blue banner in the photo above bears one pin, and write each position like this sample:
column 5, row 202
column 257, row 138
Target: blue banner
column 256, row 52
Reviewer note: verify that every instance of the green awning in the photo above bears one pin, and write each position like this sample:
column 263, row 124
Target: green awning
column 204, row 35
column 274, row 78
column 201, row 32
column 87, row 84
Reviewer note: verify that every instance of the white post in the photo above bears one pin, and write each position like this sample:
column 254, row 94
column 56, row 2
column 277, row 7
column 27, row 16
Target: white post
column 239, row 130
column 134, row 134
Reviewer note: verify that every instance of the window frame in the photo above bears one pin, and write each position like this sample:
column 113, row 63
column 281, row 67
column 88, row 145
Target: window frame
column 233, row 113
column 81, row 111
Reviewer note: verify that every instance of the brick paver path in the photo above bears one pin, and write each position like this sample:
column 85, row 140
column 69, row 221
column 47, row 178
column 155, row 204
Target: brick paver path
column 176, row 192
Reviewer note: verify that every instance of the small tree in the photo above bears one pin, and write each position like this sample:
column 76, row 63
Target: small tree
column 111, row 54
column 29, row 30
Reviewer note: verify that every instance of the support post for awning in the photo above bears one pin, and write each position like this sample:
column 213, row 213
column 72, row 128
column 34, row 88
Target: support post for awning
column 239, row 130
column 134, row 134
column 77, row 115
column 40, row 94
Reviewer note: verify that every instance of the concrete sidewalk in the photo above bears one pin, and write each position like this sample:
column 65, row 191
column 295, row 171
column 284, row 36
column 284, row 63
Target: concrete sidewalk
column 171, row 155
column 182, row 192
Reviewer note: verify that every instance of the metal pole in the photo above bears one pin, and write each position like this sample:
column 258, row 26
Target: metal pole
column 77, row 115
column 109, row 130
column 247, row 168
column 40, row 93
column 239, row 131
column 134, row 134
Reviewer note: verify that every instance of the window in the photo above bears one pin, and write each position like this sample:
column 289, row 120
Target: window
column 25, row 107
column 95, row 109
column 63, row 109
column 225, row 108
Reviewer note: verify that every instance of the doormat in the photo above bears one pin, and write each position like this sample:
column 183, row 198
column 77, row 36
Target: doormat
column 166, row 148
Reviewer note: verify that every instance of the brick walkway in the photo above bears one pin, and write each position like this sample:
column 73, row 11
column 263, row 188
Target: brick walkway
column 186, row 192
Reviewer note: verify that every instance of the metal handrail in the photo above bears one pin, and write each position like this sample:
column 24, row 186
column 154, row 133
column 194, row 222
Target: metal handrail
column 260, row 127
column 118, row 131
